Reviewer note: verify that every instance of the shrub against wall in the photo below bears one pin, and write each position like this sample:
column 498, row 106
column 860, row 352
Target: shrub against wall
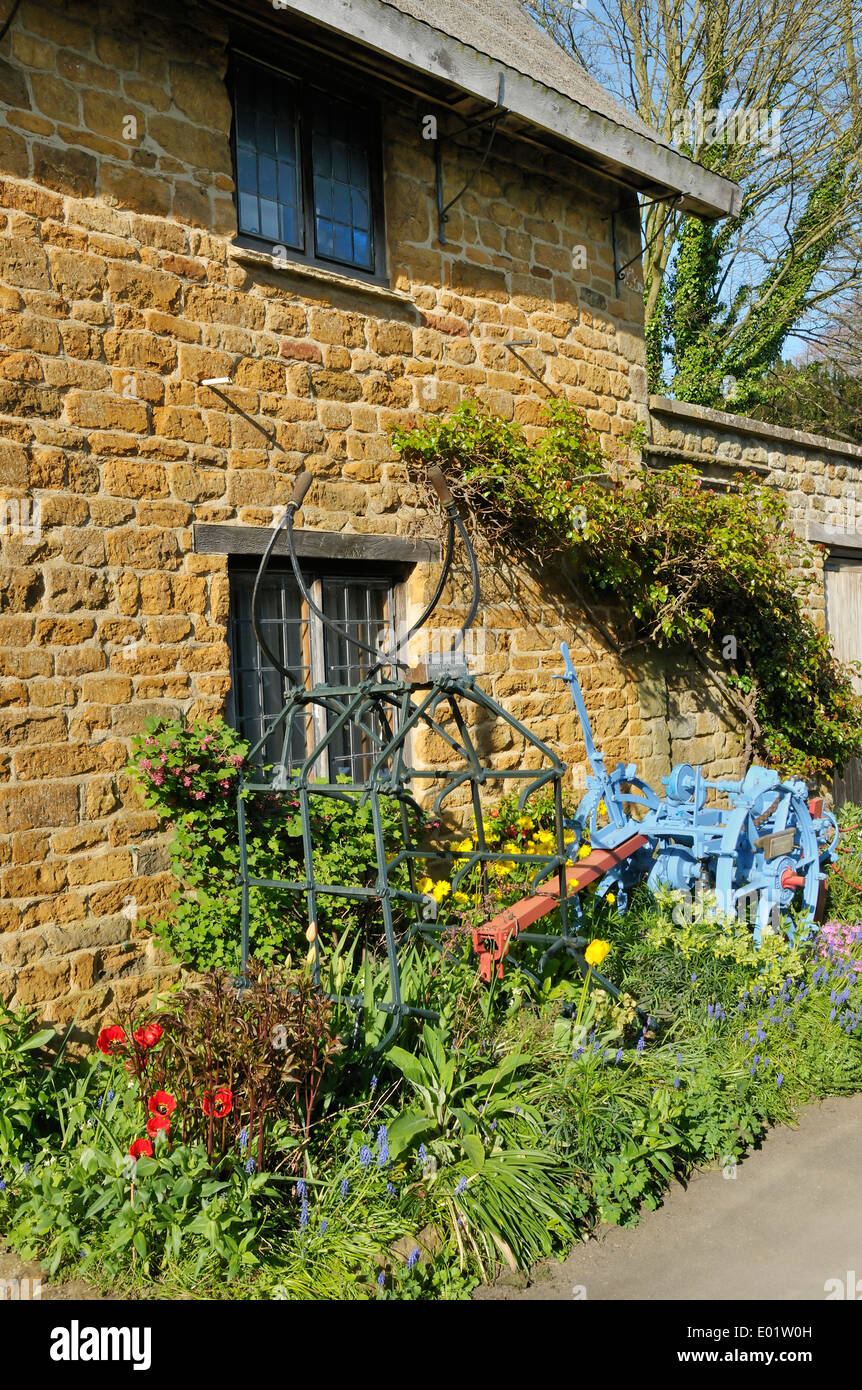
column 189, row 774
column 688, row 564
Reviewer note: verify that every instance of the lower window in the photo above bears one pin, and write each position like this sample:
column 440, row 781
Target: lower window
column 362, row 604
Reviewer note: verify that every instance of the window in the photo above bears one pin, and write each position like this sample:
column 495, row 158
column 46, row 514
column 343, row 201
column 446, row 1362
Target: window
column 362, row 604
column 307, row 165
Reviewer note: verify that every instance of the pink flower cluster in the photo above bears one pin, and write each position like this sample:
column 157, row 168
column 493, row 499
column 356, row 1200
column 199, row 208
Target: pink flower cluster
column 180, row 775
column 842, row 940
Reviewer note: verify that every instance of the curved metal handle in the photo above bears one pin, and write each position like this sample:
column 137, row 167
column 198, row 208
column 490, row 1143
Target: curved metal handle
column 441, row 487
column 300, row 490
column 318, row 612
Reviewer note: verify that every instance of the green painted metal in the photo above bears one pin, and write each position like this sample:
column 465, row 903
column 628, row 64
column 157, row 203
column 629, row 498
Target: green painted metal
column 391, row 709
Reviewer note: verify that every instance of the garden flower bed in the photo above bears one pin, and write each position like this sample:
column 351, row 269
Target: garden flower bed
column 235, row 1147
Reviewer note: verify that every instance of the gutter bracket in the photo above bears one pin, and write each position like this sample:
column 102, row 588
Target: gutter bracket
column 620, row 270
column 489, row 122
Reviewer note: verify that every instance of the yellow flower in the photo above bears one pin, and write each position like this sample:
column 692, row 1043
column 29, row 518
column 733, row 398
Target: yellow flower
column 492, row 836
column 465, row 844
column 441, row 890
column 424, row 885
column 510, row 847
column 524, row 823
column 583, row 851
column 501, row 870
column 596, row 952
column 461, row 897
column 611, row 897
column 603, row 810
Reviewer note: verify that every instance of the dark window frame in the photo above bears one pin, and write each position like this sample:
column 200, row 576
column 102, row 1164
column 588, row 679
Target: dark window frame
column 341, row 83
column 383, row 575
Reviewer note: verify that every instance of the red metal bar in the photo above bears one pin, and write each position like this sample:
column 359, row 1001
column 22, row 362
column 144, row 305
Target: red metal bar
column 492, row 940
column 791, row 880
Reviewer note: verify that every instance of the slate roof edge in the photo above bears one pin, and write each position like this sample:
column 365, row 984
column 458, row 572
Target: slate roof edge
column 385, row 28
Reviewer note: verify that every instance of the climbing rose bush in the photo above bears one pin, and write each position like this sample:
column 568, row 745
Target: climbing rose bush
column 189, row 774
column 682, row 563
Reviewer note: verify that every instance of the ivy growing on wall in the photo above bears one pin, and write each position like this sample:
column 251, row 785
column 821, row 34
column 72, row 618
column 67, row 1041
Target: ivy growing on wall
column 682, row 563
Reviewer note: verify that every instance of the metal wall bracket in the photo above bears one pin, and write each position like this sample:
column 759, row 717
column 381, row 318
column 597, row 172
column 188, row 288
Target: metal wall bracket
column 489, row 122
column 620, row 270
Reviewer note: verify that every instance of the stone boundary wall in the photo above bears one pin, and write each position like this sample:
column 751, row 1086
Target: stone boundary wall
column 820, row 477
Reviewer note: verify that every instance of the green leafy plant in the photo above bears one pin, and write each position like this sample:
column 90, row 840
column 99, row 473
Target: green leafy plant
column 460, row 1107
column 24, row 1079
column 685, row 563
column 478, row 1128
column 844, row 901
column 87, row 1210
column 189, row 775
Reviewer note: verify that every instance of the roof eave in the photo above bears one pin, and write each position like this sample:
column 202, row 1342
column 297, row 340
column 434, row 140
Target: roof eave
column 417, row 45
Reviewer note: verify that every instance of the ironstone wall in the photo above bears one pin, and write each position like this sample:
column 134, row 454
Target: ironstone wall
column 120, row 289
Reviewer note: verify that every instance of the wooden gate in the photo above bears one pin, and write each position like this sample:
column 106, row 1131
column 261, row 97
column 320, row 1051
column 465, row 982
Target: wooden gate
column 844, row 621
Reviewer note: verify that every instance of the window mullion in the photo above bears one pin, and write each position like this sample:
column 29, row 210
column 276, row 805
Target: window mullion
column 305, row 134
column 317, row 671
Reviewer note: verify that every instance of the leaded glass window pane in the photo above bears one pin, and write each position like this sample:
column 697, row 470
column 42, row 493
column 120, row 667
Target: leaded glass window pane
column 268, row 161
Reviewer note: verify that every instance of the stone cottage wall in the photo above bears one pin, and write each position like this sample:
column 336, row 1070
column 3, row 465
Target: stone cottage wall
column 120, row 289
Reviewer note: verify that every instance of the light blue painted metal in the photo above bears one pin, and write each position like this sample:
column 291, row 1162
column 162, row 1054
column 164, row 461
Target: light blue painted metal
column 760, row 843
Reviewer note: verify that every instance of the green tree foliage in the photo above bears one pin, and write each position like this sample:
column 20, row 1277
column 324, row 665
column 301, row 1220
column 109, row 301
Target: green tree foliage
column 721, row 299
column 720, row 351
column 820, row 397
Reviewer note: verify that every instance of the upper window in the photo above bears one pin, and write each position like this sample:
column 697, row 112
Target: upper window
column 362, row 605
column 307, row 170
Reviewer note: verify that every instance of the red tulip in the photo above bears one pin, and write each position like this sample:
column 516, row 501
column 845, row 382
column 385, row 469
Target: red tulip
column 111, row 1040
column 161, row 1104
column 218, row 1103
column 148, row 1035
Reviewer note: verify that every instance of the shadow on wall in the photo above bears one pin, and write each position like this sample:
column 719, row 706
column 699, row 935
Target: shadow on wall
column 648, row 707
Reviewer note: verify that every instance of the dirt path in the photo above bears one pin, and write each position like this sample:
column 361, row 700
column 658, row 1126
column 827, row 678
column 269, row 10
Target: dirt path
column 27, row 1272
column 789, row 1221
